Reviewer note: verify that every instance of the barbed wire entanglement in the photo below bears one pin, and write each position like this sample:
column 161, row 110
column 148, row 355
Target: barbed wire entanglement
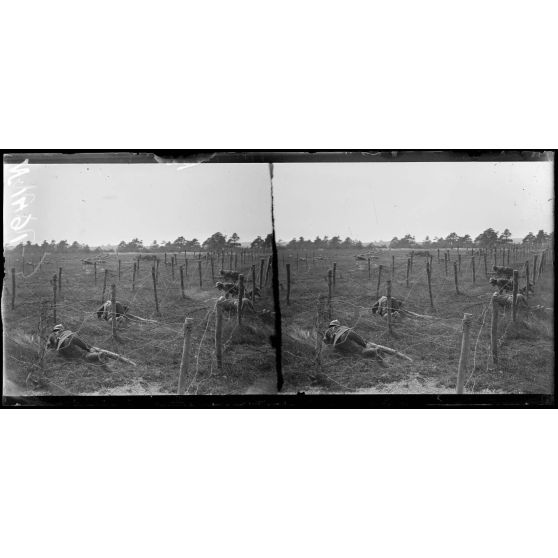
column 429, row 331
column 154, row 341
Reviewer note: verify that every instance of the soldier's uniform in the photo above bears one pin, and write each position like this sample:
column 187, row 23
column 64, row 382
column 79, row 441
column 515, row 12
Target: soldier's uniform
column 67, row 342
column 343, row 338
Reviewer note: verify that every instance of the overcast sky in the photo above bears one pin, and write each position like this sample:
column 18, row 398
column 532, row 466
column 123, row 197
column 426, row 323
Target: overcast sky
column 102, row 204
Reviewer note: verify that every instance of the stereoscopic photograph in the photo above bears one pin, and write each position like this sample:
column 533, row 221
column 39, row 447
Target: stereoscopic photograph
column 278, row 274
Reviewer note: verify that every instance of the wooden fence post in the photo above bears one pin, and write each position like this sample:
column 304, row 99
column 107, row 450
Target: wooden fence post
column 60, row 281
column 473, row 268
column 514, row 293
column 535, row 269
column 438, row 255
column 408, row 269
column 253, row 268
column 219, row 333
column 388, row 282
column 54, row 297
column 119, row 269
column 288, row 283
column 329, row 287
column 240, row 297
column 380, row 278
column 200, row 272
column 494, row 330
column 134, row 277
column 428, row 276
column 446, row 262
column 262, row 261
column 412, row 259
column 172, row 267
column 165, row 258
column 95, row 271
column 14, row 288
column 392, row 266
column 459, row 262
column 182, row 281
column 153, row 275
column 369, row 276
column 104, row 286
column 113, row 309
column 485, row 263
column 527, row 278
column 455, row 275
column 184, row 363
column 462, row 369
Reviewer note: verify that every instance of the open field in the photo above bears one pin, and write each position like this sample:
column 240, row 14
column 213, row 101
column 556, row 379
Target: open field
column 526, row 347
column 155, row 347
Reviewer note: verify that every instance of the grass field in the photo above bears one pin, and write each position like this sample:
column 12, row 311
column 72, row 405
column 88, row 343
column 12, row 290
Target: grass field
column 155, row 347
column 526, row 348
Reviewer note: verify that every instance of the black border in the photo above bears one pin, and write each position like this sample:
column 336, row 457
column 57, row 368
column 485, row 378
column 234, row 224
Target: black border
column 281, row 401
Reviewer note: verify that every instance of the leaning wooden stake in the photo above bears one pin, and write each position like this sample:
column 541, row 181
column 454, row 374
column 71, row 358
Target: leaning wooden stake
column 54, row 297
column 535, row 269
column 262, row 262
column 153, row 275
column 182, row 281
column 465, row 338
column 288, row 283
column 514, row 293
column 219, row 332
column 253, row 268
column 134, row 277
column 455, row 276
column 113, row 309
column 428, row 276
column 494, row 330
column 379, row 280
column 13, row 287
column 329, row 287
column 388, row 282
column 104, row 286
column 240, row 297
column 184, row 363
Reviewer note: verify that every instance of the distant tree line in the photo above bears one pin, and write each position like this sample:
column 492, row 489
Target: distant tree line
column 218, row 241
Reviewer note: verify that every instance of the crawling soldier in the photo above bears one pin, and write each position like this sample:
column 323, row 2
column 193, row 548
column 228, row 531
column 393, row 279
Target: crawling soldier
column 67, row 342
